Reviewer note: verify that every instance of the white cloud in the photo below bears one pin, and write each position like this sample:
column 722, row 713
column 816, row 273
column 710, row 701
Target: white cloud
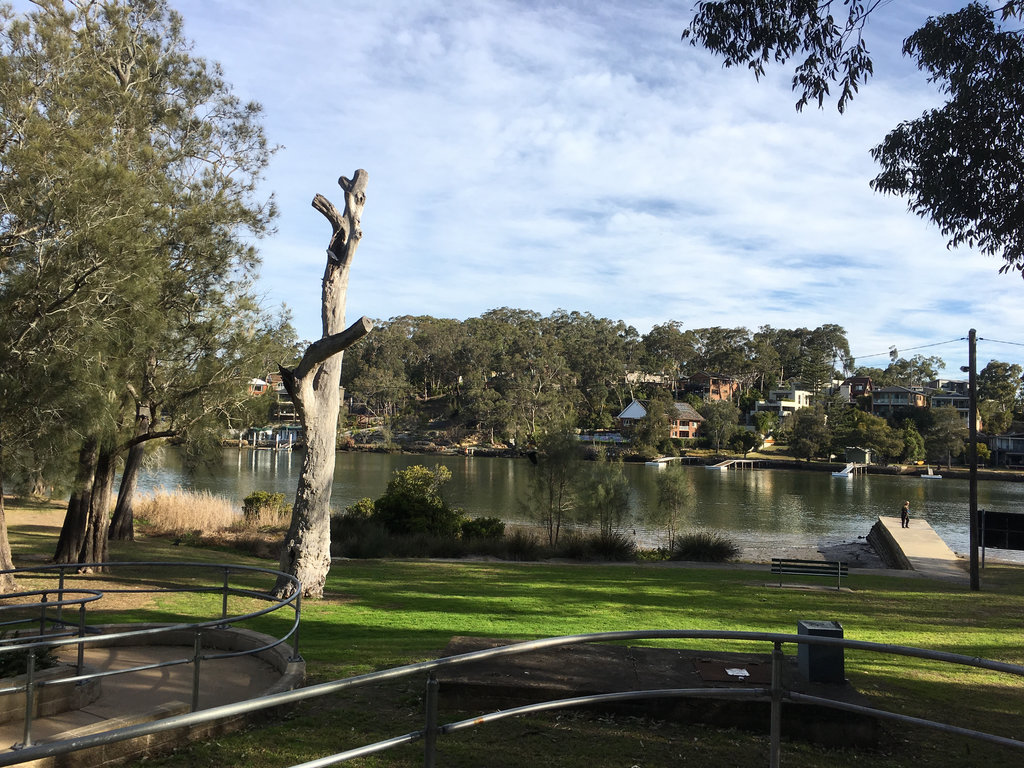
column 580, row 156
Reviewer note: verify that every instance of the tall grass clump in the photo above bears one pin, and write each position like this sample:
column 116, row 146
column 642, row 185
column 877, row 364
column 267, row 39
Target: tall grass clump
column 705, row 547
column 613, row 546
column 262, row 509
column 185, row 512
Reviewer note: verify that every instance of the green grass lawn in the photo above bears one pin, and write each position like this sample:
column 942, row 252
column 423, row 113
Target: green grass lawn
column 378, row 614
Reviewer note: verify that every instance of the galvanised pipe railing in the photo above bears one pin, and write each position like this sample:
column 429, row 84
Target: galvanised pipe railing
column 31, row 645
column 776, row 694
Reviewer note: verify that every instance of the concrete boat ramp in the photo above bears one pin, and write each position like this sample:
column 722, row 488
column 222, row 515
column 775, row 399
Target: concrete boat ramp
column 916, row 548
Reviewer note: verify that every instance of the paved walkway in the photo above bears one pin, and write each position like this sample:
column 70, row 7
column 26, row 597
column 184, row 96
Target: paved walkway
column 223, row 681
column 925, row 550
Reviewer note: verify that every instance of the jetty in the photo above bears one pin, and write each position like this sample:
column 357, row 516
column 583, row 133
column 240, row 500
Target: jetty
column 850, row 470
column 729, row 463
column 916, row 548
column 664, row 461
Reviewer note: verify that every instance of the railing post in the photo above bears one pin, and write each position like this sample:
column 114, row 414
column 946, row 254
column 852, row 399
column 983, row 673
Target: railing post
column 224, row 601
column 81, row 636
column 776, row 713
column 42, row 613
column 430, row 729
column 30, row 696
column 60, row 593
column 196, row 662
column 296, row 656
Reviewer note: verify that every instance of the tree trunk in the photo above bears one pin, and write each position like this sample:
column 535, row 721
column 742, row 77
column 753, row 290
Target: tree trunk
column 122, row 526
column 76, row 521
column 7, row 583
column 315, row 387
column 94, row 546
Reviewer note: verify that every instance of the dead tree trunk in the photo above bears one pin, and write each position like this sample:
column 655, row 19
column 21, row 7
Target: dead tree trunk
column 314, row 386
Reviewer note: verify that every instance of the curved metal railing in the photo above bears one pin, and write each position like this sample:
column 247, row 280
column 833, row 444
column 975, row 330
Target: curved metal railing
column 776, row 695
column 40, row 625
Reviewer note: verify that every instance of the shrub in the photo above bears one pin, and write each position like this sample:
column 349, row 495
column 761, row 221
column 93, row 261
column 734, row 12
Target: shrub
column 521, row 545
column 15, row 662
column 262, row 504
column 413, row 503
column 483, row 528
column 360, row 510
column 573, row 546
column 358, row 537
column 613, row 546
column 705, row 547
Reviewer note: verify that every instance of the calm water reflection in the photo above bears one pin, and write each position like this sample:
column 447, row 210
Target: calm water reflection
column 778, row 505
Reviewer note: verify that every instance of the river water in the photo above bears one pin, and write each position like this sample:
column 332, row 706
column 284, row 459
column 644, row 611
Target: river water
column 779, row 507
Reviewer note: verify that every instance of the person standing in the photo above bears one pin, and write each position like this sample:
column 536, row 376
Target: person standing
column 905, row 515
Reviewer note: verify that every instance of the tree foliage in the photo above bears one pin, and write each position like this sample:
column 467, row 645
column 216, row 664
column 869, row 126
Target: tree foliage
column 129, row 180
column 809, row 435
column 551, row 490
column 721, row 421
column 673, row 496
column 414, row 503
column 959, row 165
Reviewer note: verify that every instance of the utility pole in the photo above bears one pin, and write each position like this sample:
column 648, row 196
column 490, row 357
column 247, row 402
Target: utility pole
column 972, row 454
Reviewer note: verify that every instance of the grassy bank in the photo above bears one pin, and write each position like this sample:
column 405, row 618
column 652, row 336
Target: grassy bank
column 383, row 613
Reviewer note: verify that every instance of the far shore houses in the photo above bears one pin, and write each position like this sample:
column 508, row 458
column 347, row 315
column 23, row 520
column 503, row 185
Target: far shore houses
column 891, row 402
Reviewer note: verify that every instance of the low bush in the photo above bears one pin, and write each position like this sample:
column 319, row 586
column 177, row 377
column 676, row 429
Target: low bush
column 483, row 528
column 572, row 546
column 521, row 545
column 613, row 546
column 704, row 547
column 413, row 503
column 262, row 506
column 359, row 537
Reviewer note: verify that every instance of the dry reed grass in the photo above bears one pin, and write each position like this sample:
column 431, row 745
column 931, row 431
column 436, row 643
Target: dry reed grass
column 200, row 518
column 182, row 512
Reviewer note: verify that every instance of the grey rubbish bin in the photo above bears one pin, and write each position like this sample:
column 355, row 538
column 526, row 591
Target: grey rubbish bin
column 819, row 663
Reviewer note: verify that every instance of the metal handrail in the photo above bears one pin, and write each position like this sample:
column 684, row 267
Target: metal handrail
column 776, row 694
column 31, row 644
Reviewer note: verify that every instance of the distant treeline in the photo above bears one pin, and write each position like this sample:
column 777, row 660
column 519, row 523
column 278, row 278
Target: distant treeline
column 514, row 371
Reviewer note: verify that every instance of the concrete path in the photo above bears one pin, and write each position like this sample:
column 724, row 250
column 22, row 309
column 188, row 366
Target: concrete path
column 924, row 550
column 223, row 681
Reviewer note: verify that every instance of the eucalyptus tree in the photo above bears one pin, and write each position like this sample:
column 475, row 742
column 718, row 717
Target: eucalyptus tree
column 721, row 350
column 721, row 421
column 946, row 435
column 667, row 349
column 527, row 370
column 551, row 483
column 377, row 372
column 809, row 435
column 999, row 394
column 598, row 352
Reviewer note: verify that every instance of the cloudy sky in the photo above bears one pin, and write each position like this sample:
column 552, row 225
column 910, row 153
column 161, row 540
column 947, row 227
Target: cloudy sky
column 578, row 155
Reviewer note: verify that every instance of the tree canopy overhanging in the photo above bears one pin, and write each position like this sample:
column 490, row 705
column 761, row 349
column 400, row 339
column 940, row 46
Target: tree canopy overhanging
column 958, row 165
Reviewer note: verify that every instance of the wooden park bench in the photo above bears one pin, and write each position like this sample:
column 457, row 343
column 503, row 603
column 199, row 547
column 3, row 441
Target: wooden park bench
column 830, row 568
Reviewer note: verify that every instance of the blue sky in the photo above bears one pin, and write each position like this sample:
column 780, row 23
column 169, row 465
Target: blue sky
column 577, row 155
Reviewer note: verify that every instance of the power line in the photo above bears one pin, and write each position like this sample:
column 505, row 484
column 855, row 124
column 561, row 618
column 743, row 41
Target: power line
column 911, row 349
column 997, row 341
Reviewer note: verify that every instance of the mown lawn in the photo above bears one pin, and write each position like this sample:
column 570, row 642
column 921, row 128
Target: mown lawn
column 378, row 614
